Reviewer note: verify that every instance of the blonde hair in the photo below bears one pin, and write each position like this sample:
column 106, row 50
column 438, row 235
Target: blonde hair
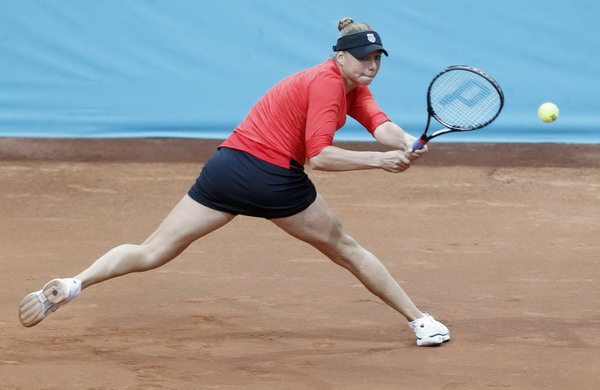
column 347, row 26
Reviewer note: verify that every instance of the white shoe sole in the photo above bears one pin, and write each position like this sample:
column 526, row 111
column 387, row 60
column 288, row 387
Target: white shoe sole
column 433, row 340
column 37, row 305
column 34, row 308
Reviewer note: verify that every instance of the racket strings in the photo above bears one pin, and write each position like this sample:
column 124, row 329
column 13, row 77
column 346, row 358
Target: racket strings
column 464, row 100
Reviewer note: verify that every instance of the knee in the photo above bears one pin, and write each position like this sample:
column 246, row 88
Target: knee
column 350, row 249
column 346, row 252
column 332, row 240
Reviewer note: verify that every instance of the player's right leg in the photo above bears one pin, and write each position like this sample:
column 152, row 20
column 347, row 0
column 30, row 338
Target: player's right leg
column 188, row 221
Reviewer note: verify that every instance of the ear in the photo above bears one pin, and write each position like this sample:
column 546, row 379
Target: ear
column 340, row 57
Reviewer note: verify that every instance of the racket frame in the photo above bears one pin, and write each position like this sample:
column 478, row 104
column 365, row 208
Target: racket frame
column 419, row 143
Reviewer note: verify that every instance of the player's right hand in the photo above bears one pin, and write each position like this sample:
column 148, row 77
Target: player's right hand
column 397, row 161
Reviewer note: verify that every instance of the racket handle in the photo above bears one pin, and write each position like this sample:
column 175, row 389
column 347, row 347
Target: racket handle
column 418, row 144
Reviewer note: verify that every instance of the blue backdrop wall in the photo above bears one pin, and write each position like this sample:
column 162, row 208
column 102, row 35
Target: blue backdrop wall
column 193, row 68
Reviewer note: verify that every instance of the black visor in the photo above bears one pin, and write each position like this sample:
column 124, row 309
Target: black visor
column 360, row 44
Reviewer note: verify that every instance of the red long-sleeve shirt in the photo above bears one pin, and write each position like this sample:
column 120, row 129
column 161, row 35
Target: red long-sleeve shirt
column 299, row 116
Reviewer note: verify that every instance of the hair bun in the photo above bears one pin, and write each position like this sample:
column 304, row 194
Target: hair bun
column 344, row 22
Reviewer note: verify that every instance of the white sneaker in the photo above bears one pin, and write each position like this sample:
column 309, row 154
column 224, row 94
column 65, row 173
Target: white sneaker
column 429, row 331
column 37, row 305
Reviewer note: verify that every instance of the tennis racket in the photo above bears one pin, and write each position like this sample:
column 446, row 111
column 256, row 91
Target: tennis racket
column 462, row 98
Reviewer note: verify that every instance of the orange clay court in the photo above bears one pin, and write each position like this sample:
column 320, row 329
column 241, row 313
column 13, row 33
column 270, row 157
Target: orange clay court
column 501, row 242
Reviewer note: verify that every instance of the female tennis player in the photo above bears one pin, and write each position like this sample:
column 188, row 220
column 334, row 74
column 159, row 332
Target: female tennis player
column 258, row 171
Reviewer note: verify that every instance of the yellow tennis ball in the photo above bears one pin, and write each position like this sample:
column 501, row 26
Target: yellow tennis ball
column 548, row 112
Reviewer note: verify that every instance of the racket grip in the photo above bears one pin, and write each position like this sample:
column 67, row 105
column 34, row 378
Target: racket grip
column 418, row 144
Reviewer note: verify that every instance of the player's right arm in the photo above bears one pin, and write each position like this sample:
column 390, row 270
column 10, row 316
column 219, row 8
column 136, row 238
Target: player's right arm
column 333, row 158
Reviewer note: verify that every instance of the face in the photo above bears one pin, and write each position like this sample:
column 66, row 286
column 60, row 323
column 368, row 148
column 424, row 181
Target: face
column 358, row 71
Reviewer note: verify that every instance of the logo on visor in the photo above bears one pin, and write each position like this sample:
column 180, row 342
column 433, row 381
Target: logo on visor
column 371, row 38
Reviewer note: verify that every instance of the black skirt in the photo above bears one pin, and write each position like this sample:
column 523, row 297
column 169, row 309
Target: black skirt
column 239, row 183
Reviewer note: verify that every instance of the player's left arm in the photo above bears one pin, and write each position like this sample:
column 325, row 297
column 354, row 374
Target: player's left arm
column 367, row 112
column 393, row 136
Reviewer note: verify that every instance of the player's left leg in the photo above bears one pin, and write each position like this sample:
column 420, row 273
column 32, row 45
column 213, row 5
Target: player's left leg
column 320, row 227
